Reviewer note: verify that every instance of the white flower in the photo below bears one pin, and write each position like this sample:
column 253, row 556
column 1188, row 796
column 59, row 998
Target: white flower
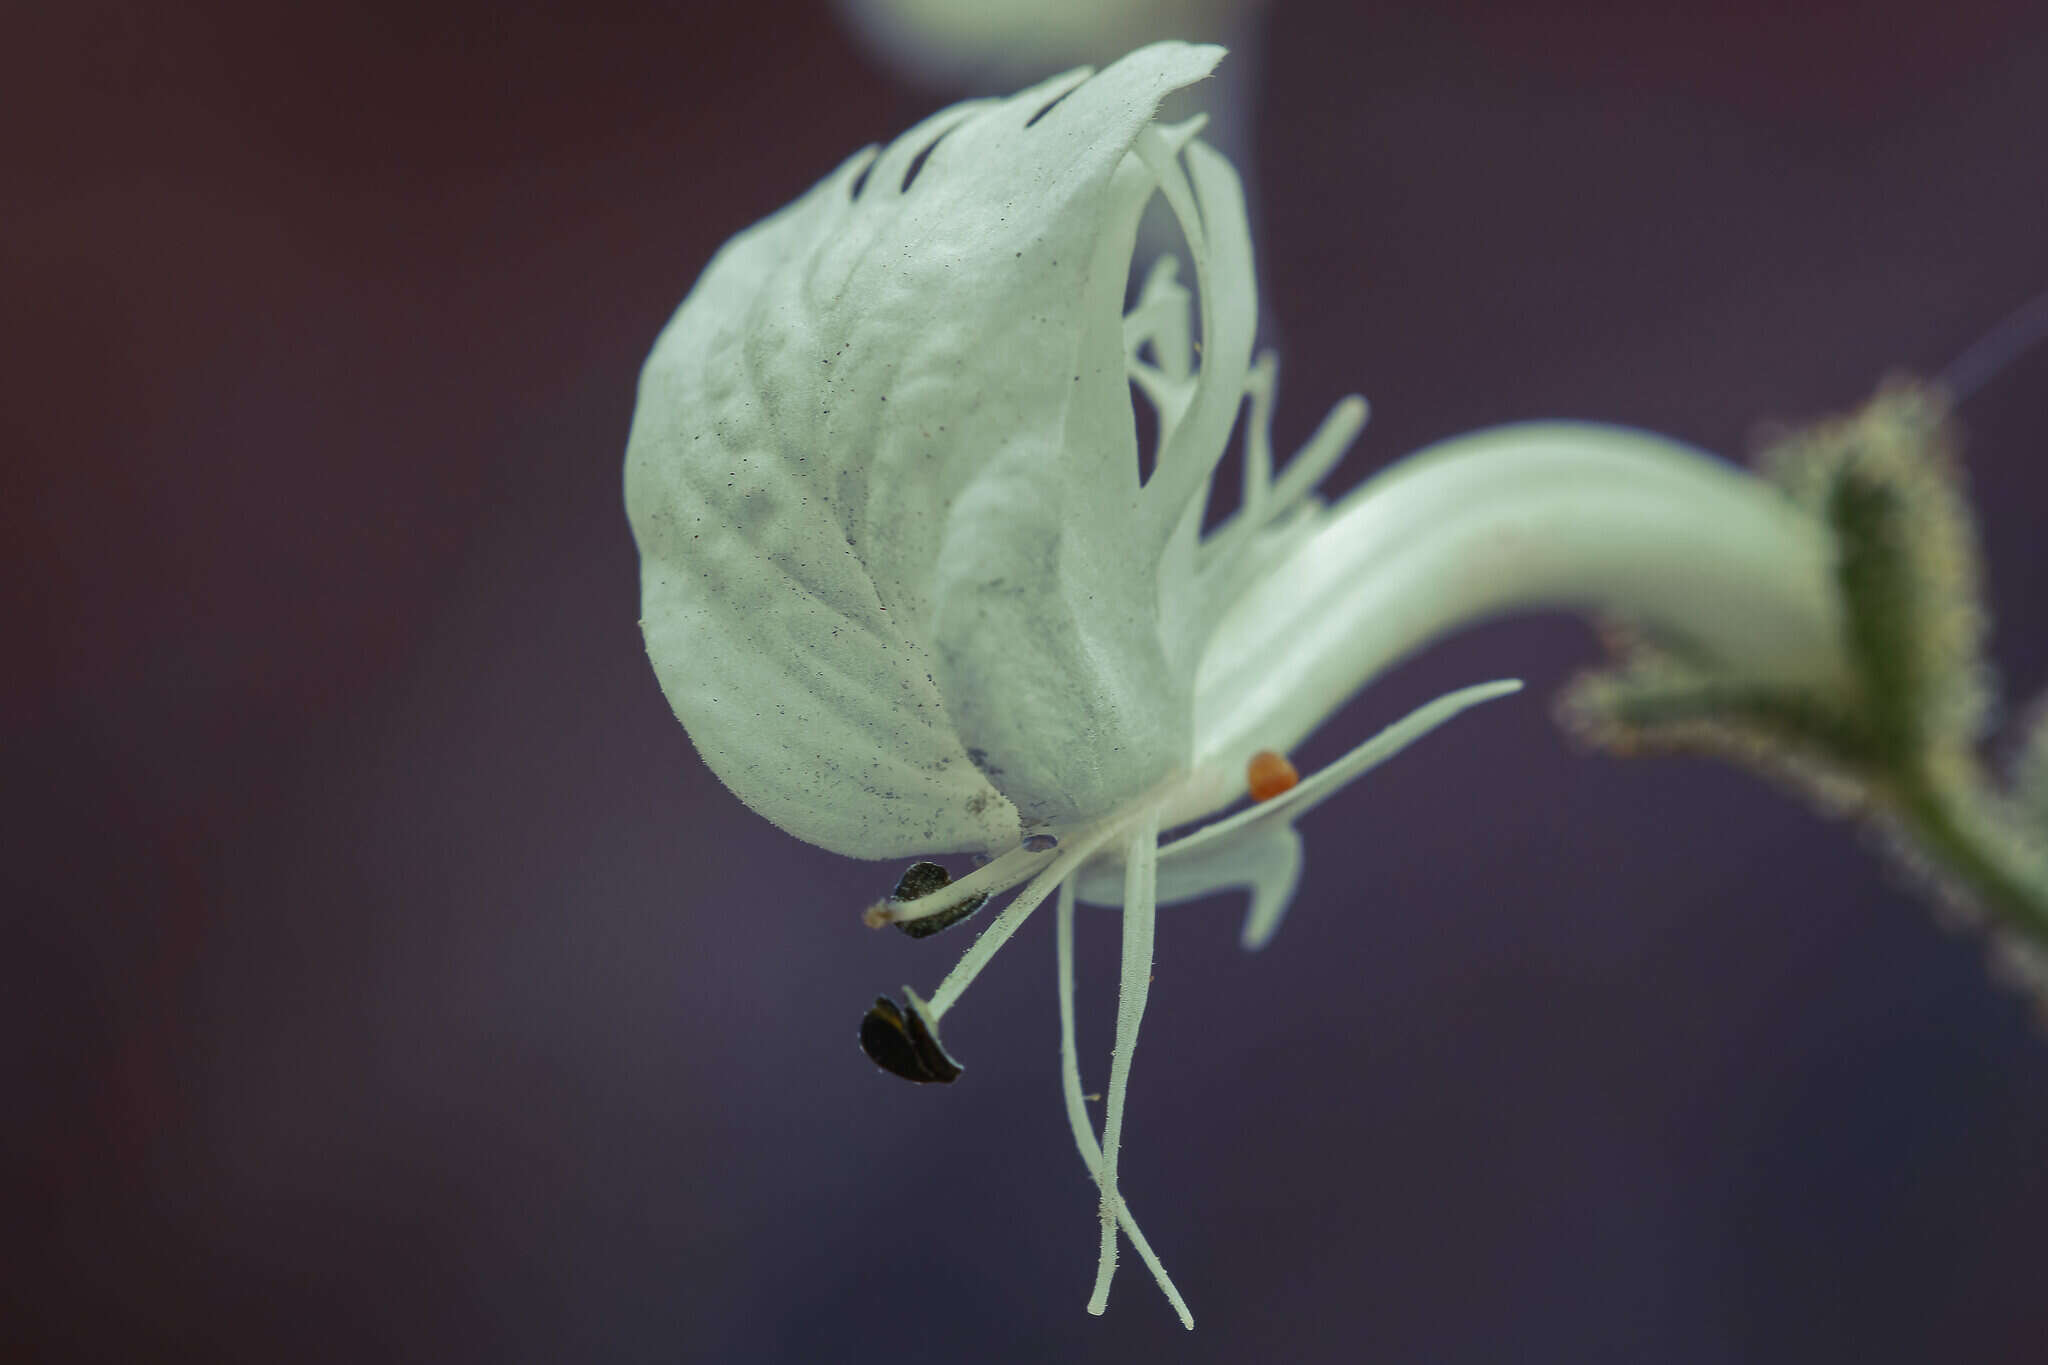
column 903, row 584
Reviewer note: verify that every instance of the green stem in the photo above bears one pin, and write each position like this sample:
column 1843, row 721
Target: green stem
column 1963, row 826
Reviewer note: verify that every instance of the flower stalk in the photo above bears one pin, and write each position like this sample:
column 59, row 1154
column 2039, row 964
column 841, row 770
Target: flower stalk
column 1895, row 738
column 1533, row 516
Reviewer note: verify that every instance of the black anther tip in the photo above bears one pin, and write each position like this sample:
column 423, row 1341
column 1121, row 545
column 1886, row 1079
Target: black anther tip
column 905, row 1044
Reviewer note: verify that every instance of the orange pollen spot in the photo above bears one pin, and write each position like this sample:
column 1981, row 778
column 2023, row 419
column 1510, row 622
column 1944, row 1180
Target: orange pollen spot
column 1269, row 774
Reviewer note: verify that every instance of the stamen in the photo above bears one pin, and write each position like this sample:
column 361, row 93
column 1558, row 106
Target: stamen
column 1069, row 857
column 928, row 879
column 1141, row 884
column 1077, row 1107
column 1328, row 781
column 991, row 878
column 1325, row 784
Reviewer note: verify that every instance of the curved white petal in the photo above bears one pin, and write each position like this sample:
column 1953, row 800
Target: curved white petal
column 1271, row 866
column 878, row 473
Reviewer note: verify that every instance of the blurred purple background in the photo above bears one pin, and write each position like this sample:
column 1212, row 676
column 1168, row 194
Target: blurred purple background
column 386, row 979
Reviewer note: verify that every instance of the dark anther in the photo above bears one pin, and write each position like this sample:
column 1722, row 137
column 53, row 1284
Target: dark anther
column 905, row 1043
column 923, row 879
column 920, row 879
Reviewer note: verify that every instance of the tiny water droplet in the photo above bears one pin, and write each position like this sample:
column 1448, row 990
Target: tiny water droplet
column 1040, row 843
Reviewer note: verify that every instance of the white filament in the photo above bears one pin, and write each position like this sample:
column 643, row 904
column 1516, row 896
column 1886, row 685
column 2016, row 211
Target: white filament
column 1077, row 1108
column 1012, row 919
column 1141, row 880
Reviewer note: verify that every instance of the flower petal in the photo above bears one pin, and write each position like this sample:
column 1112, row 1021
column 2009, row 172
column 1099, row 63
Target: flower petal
column 912, row 358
